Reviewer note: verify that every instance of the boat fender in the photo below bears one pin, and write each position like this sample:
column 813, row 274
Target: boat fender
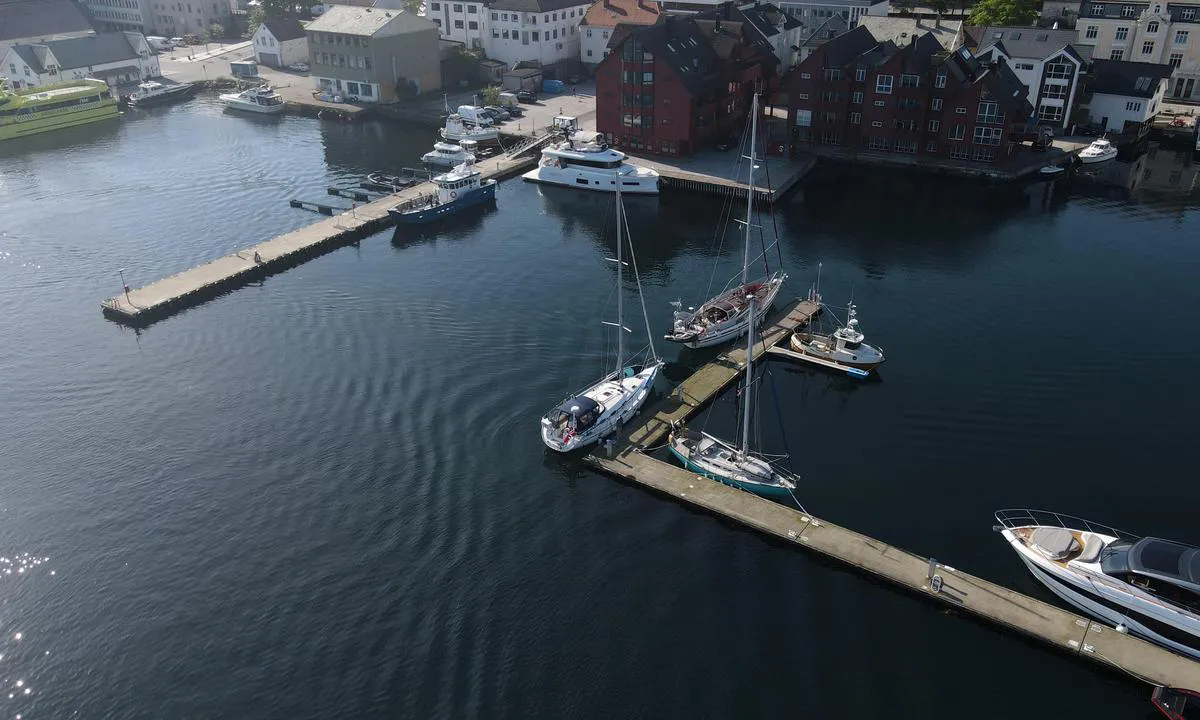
column 453, row 195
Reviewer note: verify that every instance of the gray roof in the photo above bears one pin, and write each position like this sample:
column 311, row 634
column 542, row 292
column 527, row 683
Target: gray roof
column 903, row 31
column 536, row 6
column 1137, row 79
column 1029, row 42
column 832, row 27
column 23, row 19
column 847, row 46
column 284, row 29
column 351, row 20
column 80, row 52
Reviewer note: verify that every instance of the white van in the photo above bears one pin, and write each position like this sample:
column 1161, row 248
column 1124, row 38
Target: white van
column 159, row 44
column 475, row 114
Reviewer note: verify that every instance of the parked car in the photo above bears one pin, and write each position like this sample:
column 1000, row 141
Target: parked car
column 177, row 41
column 515, row 111
column 499, row 112
column 298, row 67
column 526, row 96
column 490, row 114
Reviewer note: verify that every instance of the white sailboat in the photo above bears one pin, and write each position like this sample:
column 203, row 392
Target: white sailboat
column 727, row 315
column 725, row 462
column 594, row 413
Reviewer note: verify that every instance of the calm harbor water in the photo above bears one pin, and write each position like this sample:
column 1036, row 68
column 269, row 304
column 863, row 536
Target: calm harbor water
column 325, row 496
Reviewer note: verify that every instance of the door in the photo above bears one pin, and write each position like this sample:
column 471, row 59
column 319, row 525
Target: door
column 271, row 59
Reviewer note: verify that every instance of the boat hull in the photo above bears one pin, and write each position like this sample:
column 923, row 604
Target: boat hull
column 730, row 329
column 181, row 92
column 233, row 103
column 485, row 193
column 1092, row 159
column 632, row 184
column 774, row 492
column 485, row 136
column 797, row 345
column 620, row 414
column 104, row 110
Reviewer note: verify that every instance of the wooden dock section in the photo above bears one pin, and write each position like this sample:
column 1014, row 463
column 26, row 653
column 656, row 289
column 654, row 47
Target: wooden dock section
column 1056, row 627
column 709, row 180
column 144, row 305
column 704, row 384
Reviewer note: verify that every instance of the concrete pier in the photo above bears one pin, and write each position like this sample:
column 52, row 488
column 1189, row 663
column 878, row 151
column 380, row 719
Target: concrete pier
column 942, row 583
column 145, row 305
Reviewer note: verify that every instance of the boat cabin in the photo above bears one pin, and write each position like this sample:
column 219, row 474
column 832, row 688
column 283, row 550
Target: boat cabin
column 458, row 182
column 1164, row 568
column 576, row 414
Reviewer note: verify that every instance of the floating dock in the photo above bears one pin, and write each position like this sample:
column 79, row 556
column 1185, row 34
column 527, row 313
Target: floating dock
column 1056, row 627
column 784, row 176
column 145, row 305
column 814, row 360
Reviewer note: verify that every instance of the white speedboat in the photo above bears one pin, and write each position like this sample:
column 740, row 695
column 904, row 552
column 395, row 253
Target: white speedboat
column 844, row 348
column 728, row 315
column 152, row 92
column 261, row 99
column 1099, row 151
column 450, row 154
column 600, row 410
column 1149, row 586
column 583, row 160
column 457, row 130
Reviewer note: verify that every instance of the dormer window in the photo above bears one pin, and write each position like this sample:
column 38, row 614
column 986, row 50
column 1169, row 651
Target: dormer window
column 1097, row 10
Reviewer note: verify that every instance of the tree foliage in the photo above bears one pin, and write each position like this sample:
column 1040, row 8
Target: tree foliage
column 491, row 95
column 257, row 15
column 216, row 31
column 941, row 7
column 1005, row 12
column 413, row 6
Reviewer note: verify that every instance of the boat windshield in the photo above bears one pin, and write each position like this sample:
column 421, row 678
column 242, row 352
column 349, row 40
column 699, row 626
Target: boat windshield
column 1114, row 558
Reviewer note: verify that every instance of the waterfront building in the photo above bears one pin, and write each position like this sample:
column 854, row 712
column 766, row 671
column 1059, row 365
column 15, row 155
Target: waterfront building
column 117, row 58
column 513, row 31
column 904, row 30
column 596, row 29
column 1046, row 61
column 1125, row 96
column 280, row 42
column 825, row 31
column 814, row 12
column 857, row 94
column 374, row 55
column 1152, row 31
column 679, row 85
column 766, row 24
column 117, row 15
column 37, row 21
column 175, row 18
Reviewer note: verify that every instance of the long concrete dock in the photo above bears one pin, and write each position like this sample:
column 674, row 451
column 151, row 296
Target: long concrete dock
column 145, row 305
column 1058, row 628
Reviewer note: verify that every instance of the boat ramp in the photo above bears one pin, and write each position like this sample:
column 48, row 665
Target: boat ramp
column 627, row 458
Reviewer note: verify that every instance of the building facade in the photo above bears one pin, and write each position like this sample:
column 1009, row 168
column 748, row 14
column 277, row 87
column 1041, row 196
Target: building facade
column 814, row 12
column 117, row 15
column 1125, row 96
column 767, row 24
column 37, row 21
column 676, row 86
column 857, row 94
column 1045, row 61
column 175, row 18
column 513, row 31
column 117, row 58
column 1153, row 32
column 374, row 55
column 279, row 43
column 596, row 29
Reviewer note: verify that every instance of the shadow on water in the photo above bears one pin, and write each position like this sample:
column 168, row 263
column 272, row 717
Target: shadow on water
column 466, row 223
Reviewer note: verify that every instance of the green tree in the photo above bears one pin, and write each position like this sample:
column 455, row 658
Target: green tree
column 1005, row 12
column 216, row 31
column 491, row 95
column 941, row 7
column 413, row 6
column 257, row 15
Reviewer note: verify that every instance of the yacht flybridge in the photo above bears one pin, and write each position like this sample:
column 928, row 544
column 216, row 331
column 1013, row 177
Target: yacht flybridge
column 1147, row 585
column 583, row 160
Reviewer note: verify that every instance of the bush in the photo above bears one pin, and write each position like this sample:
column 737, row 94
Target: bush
column 491, row 95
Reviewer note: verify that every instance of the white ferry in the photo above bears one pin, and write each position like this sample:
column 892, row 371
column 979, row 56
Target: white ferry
column 583, row 160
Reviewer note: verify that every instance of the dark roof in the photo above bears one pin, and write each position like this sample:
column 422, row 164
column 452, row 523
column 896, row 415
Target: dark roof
column 1118, row 77
column 918, row 55
column 683, row 45
column 766, row 19
column 284, row 29
column 833, row 26
column 1175, row 10
column 1029, row 42
column 24, row 19
column 725, row 36
column 1110, row 9
column 83, row 52
column 844, row 48
column 534, row 6
column 1008, row 90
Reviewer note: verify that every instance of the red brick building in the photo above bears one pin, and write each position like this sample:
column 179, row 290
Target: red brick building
column 679, row 85
column 859, row 94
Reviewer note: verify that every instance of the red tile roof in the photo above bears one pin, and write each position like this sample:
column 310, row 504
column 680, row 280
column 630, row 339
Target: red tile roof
column 608, row 13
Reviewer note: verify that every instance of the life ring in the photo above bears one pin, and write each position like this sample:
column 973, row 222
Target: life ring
column 453, row 195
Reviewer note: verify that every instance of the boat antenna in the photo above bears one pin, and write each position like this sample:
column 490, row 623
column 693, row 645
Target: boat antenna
column 750, row 187
column 745, row 448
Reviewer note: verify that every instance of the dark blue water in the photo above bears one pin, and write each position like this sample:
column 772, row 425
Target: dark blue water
column 325, row 495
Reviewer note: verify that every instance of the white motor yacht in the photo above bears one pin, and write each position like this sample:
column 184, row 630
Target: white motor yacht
column 450, row 154
column 583, row 160
column 1099, row 151
column 152, row 92
column 1149, row 586
column 457, row 130
column 261, row 99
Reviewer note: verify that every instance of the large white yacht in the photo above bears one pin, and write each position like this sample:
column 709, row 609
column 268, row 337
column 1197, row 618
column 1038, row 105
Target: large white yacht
column 261, row 99
column 1149, row 586
column 583, row 160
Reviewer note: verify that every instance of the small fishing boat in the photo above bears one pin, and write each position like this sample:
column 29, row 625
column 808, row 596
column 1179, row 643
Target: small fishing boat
column 1099, row 151
column 261, row 99
column 844, row 348
column 1052, row 171
column 457, row 130
column 450, row 154
column 153, row 93
column 383, row 182
column 457, row 190
column 1177, row 703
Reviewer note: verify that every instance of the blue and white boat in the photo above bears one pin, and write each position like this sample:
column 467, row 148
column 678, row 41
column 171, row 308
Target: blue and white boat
column 457, row 190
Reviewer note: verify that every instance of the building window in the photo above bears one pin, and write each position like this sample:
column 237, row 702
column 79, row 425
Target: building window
column 1118, row 54
column 909, row 103
column 878, row 143
column 496, row 16
column 828, row 117
column 803, row 96
column 458, row 24
column 535, row 36
column 1187, row 14
column 495, row 33
column 1092, row 32
column 1176, row 60
column 910, row 81
column 589, row 53
column 1128, row 11
column 647, row 78
column 876, row 123
column 883, row 84
column 881, row 103
column 471, row 10
column 827, row 96
column 806, row 76
column 906, row 146
column 1148, row 47
column 1054, row 92
column 1050, row 113
column 1058, row 70
column 1151, row 27
column 1133, row 107
column 931, row 147
column 856, row 97
column 457, row 8
column 1181, row 37
column 935, row 104
column 860, row 74
column 982, row 154
column 833, row 74
column 909, row 125
column 831, row 137
column 1122, row 34
column 987, row 135
column 589, row 32
column 958, row 132
column 959, row 152
column 934, row 125
column 989, row 113
column 472, row 25
column 1097, row 10
column 855, row 118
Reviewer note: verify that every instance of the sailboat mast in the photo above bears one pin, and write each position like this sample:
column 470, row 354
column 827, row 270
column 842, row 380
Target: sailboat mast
column 745, row 449
column 750, row 184
column 620, row 295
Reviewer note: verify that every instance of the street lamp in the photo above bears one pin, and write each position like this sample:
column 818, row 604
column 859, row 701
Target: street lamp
column 121, row 271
